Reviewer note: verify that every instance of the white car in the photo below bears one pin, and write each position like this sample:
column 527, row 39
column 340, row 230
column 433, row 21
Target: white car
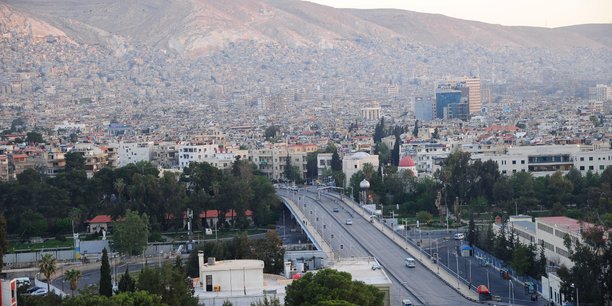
column 410, row 262
column 41, row 291
column 459, row 236
column 349, row 221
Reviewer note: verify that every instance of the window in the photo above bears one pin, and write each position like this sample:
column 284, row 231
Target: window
column 582, row 159
column 355, row 166
column 590, row 157
column 514, row 162
column 582, row 168
column 591, row 168
column 504, row 171
column 601, row 167
column 514, row 171
column 522, row 162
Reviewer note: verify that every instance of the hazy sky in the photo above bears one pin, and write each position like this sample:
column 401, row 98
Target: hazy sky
column 541, row 13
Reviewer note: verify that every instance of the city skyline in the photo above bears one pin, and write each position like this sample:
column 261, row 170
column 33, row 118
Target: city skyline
column 545, row 13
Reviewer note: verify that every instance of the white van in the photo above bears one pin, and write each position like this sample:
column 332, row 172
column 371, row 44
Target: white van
column 410, row 263
column 23, row 281
column 406, row 302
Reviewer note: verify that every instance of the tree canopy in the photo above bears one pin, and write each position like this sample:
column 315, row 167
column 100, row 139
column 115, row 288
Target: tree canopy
column 330, row 287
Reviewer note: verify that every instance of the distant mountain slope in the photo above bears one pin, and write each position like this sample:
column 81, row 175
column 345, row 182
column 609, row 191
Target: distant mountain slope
column 14, row 20
column 599, row 32
column 195, row 26
column 440, row 30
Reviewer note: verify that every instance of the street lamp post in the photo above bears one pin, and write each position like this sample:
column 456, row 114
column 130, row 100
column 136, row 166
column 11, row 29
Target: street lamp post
column 510, row 285
column 577, row 300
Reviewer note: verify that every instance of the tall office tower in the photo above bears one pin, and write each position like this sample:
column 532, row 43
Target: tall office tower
column 423, row 108
column 444, row 98
column 474, row 99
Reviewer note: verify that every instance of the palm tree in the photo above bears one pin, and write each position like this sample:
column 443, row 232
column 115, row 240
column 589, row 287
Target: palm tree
column 48, row 266
column 73, row 276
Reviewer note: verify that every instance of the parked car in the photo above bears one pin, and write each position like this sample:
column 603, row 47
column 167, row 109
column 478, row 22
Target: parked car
column 459, row 236
column 336, row 209
column 41, row 291
column 349, row 221
column 376, row 266
column 32, row 289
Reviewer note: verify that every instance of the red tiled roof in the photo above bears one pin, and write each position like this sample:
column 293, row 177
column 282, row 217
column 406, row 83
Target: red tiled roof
column 100, row 219
column 230, row 214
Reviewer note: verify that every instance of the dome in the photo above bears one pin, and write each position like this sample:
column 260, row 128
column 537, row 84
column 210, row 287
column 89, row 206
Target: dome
column 364, row 184
column 406, row 162
column 360, row 155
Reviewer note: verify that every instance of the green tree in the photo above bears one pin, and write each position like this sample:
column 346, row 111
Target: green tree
column 522, row 260
column 384, row 155
column 472, row 235
column 270, row 251
column 34, row 137
column 73, row 276
column 436, row 134
column 47, row 267
column 126, row 283
column 312, row 169
column 395, row 157
column 587, row 275
column 330, row 285
column 291, row 172
column 336, row 162
column 3, row 240
column 74, row 161
column 131, row 233
column 424, row 216
column 271, row 132
column 267, row 302
column 106, row 285
column 379, row 131
column 415, row 130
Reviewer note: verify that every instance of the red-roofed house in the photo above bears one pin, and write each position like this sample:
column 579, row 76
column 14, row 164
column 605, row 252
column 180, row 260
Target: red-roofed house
column 99, row 222
column 211, row 217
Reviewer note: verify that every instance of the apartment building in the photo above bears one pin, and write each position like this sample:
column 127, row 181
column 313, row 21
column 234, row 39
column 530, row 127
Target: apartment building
column 548, row 159
column 95, row 157
column 550, row 232
column 214, row 154
column 272, row 159
column 323, row 162
column 132, row 152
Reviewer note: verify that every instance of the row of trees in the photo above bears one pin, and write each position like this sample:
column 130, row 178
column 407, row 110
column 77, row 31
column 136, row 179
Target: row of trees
column 525, row 259
column 479, row 186
column 591, row 275
column 167, row 285
column 37, row 205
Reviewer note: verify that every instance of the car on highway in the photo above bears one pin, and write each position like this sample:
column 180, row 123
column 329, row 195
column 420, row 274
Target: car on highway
column 336, row 209
column 406, row 302
column 459, row 236
column 410, row 262
column 349, row 221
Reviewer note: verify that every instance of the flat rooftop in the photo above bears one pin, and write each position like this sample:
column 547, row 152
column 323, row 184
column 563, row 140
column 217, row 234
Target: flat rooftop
column 361, row 270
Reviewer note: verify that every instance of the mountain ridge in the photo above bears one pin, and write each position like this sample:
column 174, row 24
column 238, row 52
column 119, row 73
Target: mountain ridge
column 194, row 27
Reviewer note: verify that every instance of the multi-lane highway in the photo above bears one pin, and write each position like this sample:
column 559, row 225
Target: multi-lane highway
column 362, row 238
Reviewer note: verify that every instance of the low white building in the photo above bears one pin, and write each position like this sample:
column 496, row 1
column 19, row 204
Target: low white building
column 132, row 152
column 546, row 160
column 354, row 163
column 241, row 277
column 323, row 162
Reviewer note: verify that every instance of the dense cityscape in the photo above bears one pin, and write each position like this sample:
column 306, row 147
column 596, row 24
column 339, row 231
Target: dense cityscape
column 135, row 173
